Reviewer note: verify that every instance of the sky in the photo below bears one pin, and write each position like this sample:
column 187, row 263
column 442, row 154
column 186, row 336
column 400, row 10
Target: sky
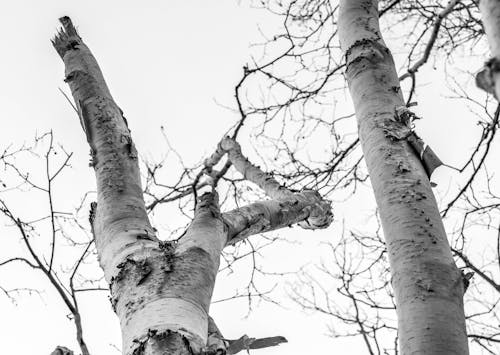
column 171, row 64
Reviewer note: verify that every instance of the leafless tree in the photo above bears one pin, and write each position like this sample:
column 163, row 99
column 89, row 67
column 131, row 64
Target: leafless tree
column 428, row 34
column 161, row 290
column 290, row 94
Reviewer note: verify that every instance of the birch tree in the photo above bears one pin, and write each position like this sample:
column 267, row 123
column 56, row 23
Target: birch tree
column 426, row 36
column 299, row 74
column 488, row 78
column 161, row 290
column 427, row 284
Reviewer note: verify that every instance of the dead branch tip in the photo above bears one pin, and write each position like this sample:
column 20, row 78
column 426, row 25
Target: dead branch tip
column 68, row 26
column 67, row 37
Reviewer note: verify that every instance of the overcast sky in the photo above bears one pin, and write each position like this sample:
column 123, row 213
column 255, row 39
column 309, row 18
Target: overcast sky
column 167, row 63
column 172, row 64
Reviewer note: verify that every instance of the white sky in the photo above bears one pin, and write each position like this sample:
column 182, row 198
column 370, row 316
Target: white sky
column 166, row 63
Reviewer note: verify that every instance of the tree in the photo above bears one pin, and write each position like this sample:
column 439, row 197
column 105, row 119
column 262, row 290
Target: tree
column 421, row 29
column 488, row 78
column 427, row 284
column 303, row 88
column 161, row 290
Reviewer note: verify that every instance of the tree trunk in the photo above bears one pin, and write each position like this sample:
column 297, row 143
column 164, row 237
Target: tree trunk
column 427, row 284
column 489, row 78
column 161, row 291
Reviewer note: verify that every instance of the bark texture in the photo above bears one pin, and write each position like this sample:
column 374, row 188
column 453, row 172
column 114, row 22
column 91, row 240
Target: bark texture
column 427, row 284
column 306, row 208
column 488, row 79
column 61, row 350
column 161, row 290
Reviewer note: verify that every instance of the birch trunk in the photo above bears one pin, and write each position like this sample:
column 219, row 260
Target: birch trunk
column 489, row 78
column 427, row 284
column 161, row 291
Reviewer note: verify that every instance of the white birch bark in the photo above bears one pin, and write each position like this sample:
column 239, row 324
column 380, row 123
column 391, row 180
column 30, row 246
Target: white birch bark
column 427, row 284
column 307, row 208
column 161, row 291
column 489, row 78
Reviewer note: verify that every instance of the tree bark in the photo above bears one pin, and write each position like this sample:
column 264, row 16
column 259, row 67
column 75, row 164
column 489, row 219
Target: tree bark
column 306, row 208
column 161, row 291
column 61, row 350
column 488, row 79
column 427, row 284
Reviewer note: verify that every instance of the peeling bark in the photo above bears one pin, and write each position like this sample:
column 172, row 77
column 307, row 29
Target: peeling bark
column 161, row 290
column 427, row 284
column 171, row 294
column 488, row 78
column 218, row 345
